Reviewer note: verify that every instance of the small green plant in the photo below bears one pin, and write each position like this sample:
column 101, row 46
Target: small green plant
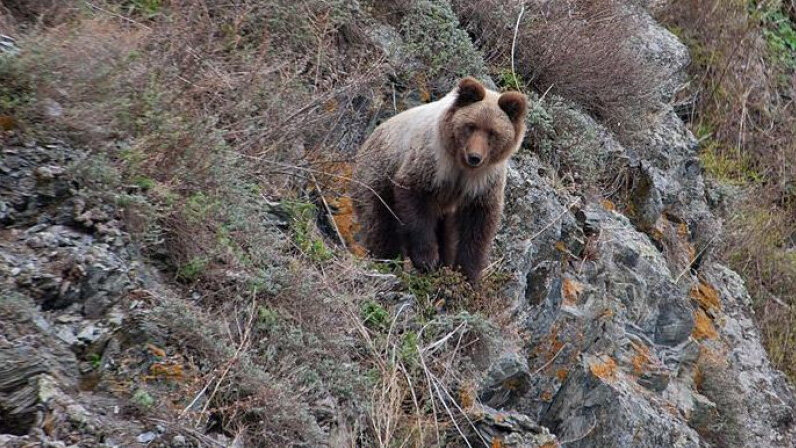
column 432, row 34
column 267, row 318
column 408, row 350
column 147, row 8
column 144, row 183
column 200, row 206
column 780, row 34
column 193, row 269
column 16, row 90
column 509, row 80
column 142, row 398
column 96, row 172
column 393, row 266
column 95, row 360
column 728, row 168
column 374, row 316
column 303, row 216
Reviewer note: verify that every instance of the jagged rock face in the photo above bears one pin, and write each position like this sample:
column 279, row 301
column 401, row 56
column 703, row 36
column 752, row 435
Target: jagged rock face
column 630, row 342
column 63, row 272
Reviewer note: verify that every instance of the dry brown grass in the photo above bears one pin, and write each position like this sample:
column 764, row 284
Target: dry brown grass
column 739, row 102
column 420, row 398
column 196, row 104
column 224, row 115
column 214, row 107
column 32, row 12
column 577, row 49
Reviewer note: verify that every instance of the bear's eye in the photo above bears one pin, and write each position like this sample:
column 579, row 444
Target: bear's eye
column 469, row 128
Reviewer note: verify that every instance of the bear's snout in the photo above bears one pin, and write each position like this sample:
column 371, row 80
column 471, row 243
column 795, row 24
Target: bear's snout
column 474, row 159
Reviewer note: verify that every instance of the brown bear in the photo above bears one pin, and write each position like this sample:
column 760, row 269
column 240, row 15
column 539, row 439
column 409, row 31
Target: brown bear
column 429, row 181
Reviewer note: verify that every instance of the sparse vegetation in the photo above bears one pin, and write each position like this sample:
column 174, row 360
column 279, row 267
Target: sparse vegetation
column 577, row 49
column 719, row 424
column 303, row 217
column 739, row 104
column 222, row 133
column 219, row 146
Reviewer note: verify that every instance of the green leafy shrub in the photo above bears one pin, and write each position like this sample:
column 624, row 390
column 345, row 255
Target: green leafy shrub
column 303, row 216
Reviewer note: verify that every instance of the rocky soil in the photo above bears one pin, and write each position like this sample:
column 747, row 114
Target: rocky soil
column 622, row 330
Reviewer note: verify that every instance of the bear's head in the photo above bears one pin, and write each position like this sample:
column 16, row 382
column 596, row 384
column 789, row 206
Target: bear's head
column 483, row 127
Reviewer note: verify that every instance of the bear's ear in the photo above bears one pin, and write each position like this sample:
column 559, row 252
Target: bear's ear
column 514, row 104
column 469, row 91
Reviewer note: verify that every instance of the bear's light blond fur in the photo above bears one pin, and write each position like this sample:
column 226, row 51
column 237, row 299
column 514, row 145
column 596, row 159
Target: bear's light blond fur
column 430, row 180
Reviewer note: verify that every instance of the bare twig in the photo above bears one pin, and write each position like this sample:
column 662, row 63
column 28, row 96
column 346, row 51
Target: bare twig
column 696, row 257
column 554, row 220
column 432, row 383
column 541, row 98
column 514, row 46
column 329, row 212
column 547, row 364
column 581, row 437
column 196, row 398
column 415, row 401
column 241, row 346
column 126, row 19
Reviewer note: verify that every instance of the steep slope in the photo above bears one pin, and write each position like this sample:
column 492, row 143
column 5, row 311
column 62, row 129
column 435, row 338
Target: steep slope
column 227, row 312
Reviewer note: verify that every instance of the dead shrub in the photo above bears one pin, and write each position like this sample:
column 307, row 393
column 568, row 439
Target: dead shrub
column 578, row 49
column 44, row 12
column 218, row 110
column 214, row 103
column 421, row 391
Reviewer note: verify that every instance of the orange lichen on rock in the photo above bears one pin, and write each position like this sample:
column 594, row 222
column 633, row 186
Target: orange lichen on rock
column 606, row 314
column 570, row 290
column 156, row 351
column 608, row 205
column 550, row 445
column 346, row 223
column 562, row 374
column 691, row 251
column 334, row 179
column 164, row 370
column 497, row 442
column 549, row 346
column 422, row 86
column 703, row 326
column 641, row 359
column 547, row 396
column 7, row 122
column 605, row 370
column 675, row 240
column 331, row 106
column 707, row 296
column 656, row 233
column 682, row 229
column 467, row 396
column 698, row 378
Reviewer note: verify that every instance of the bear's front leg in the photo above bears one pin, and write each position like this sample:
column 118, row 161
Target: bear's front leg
column 478, row 223
column 418, row 227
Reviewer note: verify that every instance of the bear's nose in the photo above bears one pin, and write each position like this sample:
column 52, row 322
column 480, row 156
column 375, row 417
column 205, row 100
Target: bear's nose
column 474, row 160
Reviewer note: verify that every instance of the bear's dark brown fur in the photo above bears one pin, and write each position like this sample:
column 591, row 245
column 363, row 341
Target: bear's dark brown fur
column 430, row 180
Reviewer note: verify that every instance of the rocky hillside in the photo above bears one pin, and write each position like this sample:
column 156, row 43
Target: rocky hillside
column 179, row 265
